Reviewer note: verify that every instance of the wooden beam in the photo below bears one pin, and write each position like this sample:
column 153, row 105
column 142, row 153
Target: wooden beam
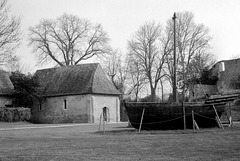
column 217, row 118
column 140, row 126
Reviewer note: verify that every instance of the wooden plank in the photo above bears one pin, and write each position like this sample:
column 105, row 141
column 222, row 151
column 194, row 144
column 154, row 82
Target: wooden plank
column 221, row 99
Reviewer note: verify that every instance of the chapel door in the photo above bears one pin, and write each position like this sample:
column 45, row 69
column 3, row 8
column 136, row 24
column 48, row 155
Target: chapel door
column 106, row 116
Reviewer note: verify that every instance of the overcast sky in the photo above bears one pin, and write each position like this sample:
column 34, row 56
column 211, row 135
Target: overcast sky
column 121, row 18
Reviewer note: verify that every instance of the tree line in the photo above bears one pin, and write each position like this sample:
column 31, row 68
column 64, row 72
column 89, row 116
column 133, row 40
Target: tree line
column 149, row 59
column 148, row 62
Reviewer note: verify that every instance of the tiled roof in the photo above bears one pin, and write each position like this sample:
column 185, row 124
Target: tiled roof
column 78, row 79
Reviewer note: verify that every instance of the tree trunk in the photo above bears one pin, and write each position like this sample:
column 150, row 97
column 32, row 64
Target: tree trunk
column 153, row 95
column 162, row 90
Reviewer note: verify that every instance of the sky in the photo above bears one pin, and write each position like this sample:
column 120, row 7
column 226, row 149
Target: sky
column 122, row 18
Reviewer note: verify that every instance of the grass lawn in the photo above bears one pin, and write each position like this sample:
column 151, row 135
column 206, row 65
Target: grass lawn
column 83, row 142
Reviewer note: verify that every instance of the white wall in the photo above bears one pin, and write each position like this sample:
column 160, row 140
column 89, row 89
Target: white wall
column 111, row 102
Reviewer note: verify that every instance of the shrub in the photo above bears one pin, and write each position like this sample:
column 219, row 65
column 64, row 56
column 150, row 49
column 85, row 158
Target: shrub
column 206, row 77
column 14, row 114
column 26, row 90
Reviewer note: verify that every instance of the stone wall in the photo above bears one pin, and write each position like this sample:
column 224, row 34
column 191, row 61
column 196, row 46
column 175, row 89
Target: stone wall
column 228, row 79
column 53, row 110
column 76, row 109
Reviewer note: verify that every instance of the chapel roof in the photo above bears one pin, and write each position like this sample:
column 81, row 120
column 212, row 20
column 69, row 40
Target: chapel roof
column 78, row 79
column 6, row 86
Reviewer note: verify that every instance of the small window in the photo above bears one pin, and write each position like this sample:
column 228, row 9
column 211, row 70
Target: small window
column 65, row 104
column 40, row 106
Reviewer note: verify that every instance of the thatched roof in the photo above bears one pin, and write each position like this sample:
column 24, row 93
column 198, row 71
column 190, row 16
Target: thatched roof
column 72, row 80
column 6, row 86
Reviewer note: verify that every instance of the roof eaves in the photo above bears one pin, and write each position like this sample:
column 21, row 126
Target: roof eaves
column 64, row 94
column 72, row 94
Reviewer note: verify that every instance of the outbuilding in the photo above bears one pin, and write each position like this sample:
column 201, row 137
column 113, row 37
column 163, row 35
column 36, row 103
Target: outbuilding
column 6, row 89
column 76, row 94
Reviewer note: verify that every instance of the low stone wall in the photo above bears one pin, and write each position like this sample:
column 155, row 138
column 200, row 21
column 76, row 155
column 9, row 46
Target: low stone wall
column 14, row 114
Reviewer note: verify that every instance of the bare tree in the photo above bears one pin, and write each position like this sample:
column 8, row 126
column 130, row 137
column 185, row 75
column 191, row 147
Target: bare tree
column 10, row 34
column 147, row 48
column 116, row 68
column 136, row 75
column 192, row 45
column 67, row 40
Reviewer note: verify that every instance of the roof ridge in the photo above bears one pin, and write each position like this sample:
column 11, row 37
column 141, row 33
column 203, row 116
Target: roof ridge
column 66, row 66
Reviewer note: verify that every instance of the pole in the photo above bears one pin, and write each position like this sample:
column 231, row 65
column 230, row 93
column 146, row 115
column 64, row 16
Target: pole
column 230, row 117
column 100, row 121
column 184, row 115
column 193, row 121
column 175, row 98
column 104, row 126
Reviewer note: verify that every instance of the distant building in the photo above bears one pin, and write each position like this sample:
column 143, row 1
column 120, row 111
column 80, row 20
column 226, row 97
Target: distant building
column 6, row 89
column 228, row 73
column 76, row 94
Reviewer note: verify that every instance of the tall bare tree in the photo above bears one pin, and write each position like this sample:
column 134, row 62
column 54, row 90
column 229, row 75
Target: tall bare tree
column 10, row 34
column 116, row 68
column 192, row 45
column 147, row 48
column 67, row 40
column 136, row 77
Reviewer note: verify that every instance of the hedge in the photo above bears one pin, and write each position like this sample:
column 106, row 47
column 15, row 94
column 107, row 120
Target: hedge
column 14, row 114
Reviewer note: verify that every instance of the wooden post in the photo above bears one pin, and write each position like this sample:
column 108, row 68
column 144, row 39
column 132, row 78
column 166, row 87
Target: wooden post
column 230, row 121
column 217, row 118
column 196, row 125
column 184, row 115
column 104, row 124
column 193, row 121
column 230, row 117
column 140, row 126
column 99, row 127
